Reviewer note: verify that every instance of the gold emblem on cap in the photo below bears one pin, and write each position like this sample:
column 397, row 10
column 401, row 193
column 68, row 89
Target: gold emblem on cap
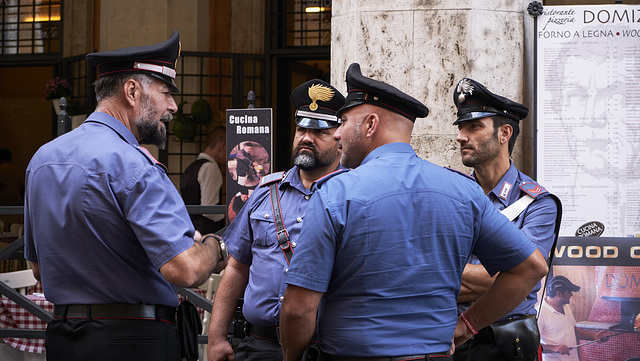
column 179, row 48
column 319, row 92
column 464, row 88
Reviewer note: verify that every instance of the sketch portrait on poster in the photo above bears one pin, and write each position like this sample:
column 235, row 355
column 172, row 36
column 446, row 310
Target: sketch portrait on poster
column 588, row 115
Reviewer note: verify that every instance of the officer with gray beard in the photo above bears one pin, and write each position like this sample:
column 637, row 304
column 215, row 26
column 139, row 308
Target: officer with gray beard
column 262, row 238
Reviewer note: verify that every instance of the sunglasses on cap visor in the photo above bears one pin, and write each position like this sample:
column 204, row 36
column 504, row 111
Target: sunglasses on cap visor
column 313, row 123
column 473, row 115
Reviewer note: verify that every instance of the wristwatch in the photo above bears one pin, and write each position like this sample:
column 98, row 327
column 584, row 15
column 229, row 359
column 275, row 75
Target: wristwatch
column 223, row 247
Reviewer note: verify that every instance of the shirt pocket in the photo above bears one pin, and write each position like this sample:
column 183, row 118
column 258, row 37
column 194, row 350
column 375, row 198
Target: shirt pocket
column 264, row 229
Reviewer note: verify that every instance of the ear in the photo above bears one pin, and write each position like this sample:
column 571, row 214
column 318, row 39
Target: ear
column 370, row 125
column 505, row 133
column 130, row 88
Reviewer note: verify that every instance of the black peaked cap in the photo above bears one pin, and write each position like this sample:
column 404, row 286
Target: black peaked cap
column 157, row 60
column 316, row 103
column 475, row 101
column 363, row 90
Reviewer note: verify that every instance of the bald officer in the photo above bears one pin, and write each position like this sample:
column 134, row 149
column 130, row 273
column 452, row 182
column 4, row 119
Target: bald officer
column 105, row 229
column 388, row 243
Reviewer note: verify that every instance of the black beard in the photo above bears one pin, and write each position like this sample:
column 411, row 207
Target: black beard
column 150, row 134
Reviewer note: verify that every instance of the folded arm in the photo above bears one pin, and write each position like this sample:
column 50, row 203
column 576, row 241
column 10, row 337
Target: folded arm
column 298, row 320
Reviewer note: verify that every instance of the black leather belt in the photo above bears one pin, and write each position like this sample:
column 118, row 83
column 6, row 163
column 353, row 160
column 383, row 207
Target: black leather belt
column 437, row 356
column 267, row 333
column 116, row 311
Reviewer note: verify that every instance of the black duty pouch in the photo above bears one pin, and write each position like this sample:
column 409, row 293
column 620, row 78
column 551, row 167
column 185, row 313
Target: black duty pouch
column 189, row 328
column 312, row 353
column 517, row 337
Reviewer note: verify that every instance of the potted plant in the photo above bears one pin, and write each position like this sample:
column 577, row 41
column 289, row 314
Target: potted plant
column 57, row 88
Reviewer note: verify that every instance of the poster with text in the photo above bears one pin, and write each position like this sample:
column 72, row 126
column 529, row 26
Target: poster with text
column 249, row 154
column 591, row 308
column 588, row 116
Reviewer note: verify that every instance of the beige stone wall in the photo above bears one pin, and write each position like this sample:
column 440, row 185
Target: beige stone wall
column 425, row 47
column 246, row 26
column 153, row 22
column 78, row 27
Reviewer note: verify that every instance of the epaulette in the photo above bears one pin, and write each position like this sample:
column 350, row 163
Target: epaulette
column 270, row 178
column 461, row 173
column 533, row 189
column 150, row 157
column 326, row 177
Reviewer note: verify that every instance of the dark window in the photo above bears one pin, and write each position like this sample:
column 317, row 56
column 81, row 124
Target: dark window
column 301, row 23
column 30, row 27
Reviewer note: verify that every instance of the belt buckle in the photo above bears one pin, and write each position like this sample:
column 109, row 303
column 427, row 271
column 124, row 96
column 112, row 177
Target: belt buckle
column 278, row 334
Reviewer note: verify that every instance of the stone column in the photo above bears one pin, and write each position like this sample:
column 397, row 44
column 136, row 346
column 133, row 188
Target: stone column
column 424, row 48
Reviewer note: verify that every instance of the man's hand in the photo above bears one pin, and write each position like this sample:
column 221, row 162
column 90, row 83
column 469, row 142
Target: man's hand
column 563, row 349
column 219, row 350
column 462, row 333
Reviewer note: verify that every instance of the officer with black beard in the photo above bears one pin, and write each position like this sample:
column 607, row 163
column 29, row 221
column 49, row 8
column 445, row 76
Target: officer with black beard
column 262, row 238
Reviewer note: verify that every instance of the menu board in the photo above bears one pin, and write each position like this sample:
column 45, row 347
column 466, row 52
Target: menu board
column 588, row 116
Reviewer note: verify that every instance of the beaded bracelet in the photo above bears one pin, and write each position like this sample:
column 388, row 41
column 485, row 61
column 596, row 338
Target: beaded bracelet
column 468, row 323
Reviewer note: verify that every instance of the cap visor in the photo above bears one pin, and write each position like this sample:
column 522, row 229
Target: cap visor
column 472, row 115
column 349, row 104
column 172, row 84
column 312, row 123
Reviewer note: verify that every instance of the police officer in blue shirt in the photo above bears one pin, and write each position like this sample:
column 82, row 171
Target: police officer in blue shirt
column 388, row 243
column 263, row 237
column 488, row 127
column 105, row 229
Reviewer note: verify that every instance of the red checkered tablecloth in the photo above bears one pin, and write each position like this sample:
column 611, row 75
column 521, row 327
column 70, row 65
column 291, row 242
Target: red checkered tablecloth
column 14, row 316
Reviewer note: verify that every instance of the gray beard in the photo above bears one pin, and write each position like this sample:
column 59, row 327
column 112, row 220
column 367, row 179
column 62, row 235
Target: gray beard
column 305, row 161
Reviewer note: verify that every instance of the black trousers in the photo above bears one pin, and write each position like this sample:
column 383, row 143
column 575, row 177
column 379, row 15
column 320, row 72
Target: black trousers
column 252, row 348
column 111, row 339
column 481, row 348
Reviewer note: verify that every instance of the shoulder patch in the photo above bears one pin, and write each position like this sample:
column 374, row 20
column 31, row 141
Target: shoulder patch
column 150, row 157
column 533, row 189
column 325, row 178
column 461, row 173
column 270, row 178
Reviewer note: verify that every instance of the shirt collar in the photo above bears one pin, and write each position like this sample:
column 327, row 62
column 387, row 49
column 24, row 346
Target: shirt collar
column 399, row 147
column 206, row 156
column 292, row 179
column 115, row 124
column 506, row 187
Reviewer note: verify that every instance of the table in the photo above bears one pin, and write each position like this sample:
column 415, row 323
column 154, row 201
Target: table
column 13, row 316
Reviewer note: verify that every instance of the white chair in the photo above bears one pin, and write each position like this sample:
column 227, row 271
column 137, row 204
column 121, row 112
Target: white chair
column 17, row 229
column 211, row 287
column 19, row 280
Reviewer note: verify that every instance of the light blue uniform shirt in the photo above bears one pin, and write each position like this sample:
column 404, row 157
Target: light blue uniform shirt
column 252, row 239
column 387, row 245
column 102, row 217
column 537, row 222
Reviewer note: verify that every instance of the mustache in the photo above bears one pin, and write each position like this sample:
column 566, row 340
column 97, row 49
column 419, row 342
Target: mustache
column 309, row 145
column 166, row 118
